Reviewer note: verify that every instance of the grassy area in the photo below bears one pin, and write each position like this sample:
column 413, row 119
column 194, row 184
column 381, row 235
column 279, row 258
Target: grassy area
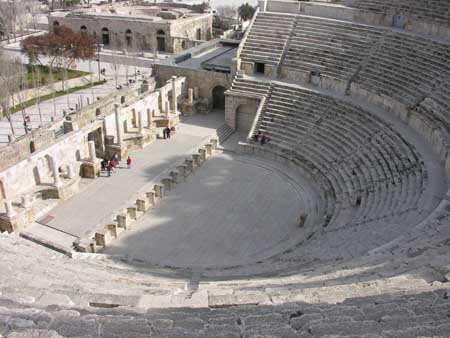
column 43, row 98
column 58, row 75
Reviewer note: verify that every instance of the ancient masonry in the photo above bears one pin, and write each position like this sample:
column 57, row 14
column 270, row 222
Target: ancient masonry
column 350, row 96
column 146, row 28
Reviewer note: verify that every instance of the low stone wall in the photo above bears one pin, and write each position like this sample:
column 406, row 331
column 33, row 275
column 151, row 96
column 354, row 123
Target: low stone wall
column 204, row 80
column 29, row 94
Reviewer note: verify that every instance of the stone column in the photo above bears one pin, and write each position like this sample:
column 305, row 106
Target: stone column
column 118, row 124
column 196, row 93
column 55, row 173
column 167, row 109
column 70, row 171
column 174, row 94
column 163, row 99
column 26, row 200
column 9, row 209
column 140, row 118
column 149, row 118
column 91, row 147
column 191, row 95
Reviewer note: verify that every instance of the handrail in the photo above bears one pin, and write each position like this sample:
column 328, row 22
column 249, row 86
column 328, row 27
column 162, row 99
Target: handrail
column 257, row 116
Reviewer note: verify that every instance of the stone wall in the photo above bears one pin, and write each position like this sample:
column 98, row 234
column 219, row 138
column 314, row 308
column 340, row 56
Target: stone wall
column 339, row 12
column 204, row 80
column 233, row 102
column 143, row 31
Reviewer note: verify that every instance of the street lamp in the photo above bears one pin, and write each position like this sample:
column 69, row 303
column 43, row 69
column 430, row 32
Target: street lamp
column 99, row 47
column 11, row 18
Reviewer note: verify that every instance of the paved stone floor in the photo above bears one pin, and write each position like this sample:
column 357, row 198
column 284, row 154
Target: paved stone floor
column 99, row 201
column 233, row 210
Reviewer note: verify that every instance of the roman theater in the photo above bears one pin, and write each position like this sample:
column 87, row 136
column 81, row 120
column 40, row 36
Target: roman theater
column 303, row 192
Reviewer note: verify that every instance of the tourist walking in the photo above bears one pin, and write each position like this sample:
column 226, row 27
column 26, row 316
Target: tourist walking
column 129, row 162
column 111, row 165
column 116, row 159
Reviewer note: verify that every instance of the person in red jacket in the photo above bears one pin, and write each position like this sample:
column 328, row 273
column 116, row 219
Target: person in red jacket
column 129, row 162
column 111, row 166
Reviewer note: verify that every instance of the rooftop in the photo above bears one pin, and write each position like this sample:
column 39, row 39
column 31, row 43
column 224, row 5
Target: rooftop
column 215, row 55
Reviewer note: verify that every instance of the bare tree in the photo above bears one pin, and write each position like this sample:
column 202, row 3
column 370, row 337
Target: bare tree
column 11, row 73
column 227, row 11
column 115, row 59
column 16, row 15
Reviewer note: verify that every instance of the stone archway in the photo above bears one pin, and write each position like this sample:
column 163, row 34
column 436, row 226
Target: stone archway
column 218, row 97
column 161, row 41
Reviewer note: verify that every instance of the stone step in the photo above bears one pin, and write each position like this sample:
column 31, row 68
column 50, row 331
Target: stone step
column 50, row 237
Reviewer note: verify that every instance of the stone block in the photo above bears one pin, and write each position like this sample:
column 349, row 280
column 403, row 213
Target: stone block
column 123, row 220
column 159, row 190
column 182, row 172
column 90, row 169
column 209, row 149
column 102, row 237
column 132, row 212
column 86, row 245
column 196, row 159
column 190, row 165
column 151, row 197
column 202, row 152
column 142, row 204
column 175, row 177
column 167, row 183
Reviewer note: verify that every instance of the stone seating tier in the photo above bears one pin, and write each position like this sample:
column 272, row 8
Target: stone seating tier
column 267, row 38
column 358, row 59
column 361, row 156
column 434, row 10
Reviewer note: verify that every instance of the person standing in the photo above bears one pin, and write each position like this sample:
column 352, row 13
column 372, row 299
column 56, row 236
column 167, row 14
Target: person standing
column 116, row 159
column 111, row 165
column 129, row 162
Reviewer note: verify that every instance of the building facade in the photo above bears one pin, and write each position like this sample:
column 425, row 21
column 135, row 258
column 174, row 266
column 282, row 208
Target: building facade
column 139, row 28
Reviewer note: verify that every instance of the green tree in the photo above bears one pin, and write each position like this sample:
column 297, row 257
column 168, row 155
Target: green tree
column 246, row 11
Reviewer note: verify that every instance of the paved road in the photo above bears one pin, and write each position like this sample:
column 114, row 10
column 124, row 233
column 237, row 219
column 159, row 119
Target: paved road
column 54, row 109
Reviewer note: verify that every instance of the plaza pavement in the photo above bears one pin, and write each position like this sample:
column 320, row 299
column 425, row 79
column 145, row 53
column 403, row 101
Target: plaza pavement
column 99, row 201
column 50, row 109
column 233, row 211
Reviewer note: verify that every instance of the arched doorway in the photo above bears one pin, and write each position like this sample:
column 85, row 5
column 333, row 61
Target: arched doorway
column 245, row 114
column 105, row 36
column 218, row 96
column 83, row 29
column 32, row 147
column 161, row 41
column 129, row 38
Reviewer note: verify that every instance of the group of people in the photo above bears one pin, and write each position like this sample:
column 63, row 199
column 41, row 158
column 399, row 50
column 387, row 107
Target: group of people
column 167, row 131
column 109, row 165
column 262, row 138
